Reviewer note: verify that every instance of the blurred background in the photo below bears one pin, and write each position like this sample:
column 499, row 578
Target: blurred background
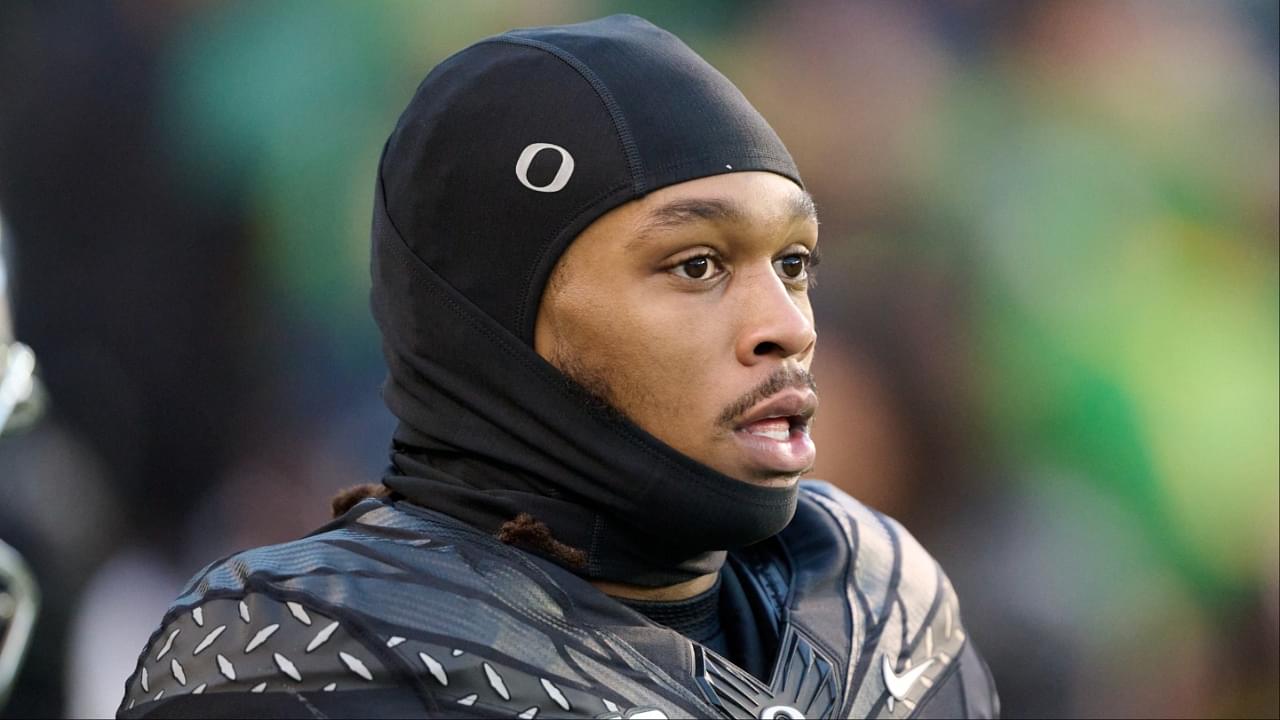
column 1049, row 306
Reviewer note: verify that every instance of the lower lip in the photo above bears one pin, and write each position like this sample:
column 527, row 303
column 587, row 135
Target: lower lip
column 793, row 455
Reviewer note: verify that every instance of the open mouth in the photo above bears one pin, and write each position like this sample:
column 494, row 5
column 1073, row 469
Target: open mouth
column 774, row 435
column 778, row 428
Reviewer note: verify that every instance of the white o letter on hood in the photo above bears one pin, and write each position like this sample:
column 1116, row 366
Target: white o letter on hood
column 562, row 176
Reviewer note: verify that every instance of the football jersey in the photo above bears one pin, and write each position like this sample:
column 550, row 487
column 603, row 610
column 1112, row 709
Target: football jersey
column 396, row 610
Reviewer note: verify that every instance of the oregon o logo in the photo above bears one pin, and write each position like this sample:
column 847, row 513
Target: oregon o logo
column 562, row 175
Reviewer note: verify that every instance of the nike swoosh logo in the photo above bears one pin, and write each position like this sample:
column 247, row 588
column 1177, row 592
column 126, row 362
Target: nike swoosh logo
column 898, row 685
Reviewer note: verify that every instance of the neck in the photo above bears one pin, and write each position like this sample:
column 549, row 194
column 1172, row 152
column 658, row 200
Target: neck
column 679, row 591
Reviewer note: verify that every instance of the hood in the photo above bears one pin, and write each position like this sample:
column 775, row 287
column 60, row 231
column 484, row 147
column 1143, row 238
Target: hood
column 507, row 151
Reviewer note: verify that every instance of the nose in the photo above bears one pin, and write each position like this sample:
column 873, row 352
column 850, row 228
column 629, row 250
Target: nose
column 776, row 322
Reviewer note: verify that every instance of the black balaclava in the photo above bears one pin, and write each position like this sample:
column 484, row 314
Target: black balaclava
column 506, row 152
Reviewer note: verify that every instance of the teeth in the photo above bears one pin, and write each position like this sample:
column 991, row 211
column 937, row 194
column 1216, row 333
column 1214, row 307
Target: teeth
column 777, row 429
column 779, row 435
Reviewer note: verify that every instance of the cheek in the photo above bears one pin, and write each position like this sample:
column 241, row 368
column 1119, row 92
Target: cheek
column 661, row 357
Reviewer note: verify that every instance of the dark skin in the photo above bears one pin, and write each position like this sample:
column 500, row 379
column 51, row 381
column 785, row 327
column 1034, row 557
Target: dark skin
column 688, row 310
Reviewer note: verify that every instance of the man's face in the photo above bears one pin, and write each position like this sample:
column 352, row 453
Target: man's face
column 688, row 311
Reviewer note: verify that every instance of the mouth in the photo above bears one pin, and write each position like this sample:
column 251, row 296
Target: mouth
column 774, row 434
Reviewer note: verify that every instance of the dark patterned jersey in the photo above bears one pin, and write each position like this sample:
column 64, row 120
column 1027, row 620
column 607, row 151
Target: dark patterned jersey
column 397, row 611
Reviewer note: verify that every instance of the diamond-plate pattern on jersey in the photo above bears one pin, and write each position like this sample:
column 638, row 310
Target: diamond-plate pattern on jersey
column 254, row 644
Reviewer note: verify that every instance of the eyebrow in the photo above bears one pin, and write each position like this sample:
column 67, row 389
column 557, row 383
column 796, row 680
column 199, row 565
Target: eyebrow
column 679, row 213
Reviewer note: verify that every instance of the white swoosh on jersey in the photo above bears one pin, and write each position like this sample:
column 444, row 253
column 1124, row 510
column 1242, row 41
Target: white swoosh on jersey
column 898, row 685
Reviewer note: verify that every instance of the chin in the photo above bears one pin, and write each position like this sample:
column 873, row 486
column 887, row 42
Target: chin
column 743, row 461
column 767, row 478
column 779, row 481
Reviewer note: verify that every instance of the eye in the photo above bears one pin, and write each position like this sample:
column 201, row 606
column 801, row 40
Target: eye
column 701, row 267
column 794, row 266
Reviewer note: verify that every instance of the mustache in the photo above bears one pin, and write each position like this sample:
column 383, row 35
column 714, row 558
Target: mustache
column 781, row 379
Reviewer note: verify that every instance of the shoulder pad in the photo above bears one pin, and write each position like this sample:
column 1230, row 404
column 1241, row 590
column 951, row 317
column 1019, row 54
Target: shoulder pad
column 913, row 611
column 252, row 644
column 388, row 598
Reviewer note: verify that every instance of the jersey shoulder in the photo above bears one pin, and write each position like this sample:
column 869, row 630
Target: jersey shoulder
column 410, row 610
column 912, row 628
column 888, row 560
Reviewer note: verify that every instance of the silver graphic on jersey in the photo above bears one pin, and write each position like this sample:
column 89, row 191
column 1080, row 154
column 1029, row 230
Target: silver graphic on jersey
column 899, row 685
column 803, row 683
column 639, row 713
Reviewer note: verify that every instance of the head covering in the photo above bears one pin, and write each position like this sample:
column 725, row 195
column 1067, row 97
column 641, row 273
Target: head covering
column 507, row 151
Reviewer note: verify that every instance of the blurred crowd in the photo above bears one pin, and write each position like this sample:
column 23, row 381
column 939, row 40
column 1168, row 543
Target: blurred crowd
column 1049, row 306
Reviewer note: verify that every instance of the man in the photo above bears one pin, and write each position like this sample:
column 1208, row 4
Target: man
column 591, row 259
